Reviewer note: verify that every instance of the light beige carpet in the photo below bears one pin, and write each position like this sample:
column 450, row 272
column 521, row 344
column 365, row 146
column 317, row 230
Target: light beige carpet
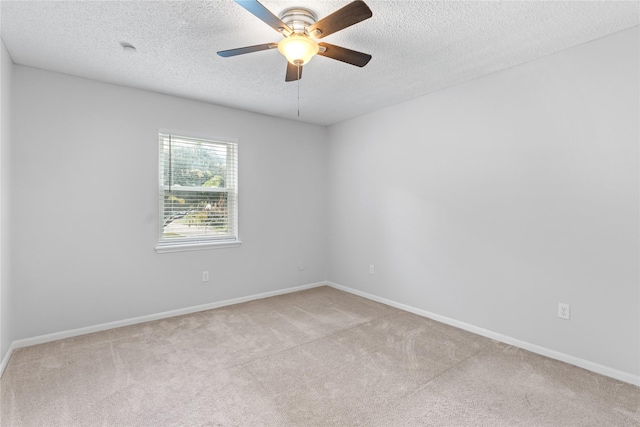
column 320, row 357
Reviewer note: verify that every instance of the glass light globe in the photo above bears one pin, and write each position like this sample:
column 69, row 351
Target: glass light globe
column 298, row 48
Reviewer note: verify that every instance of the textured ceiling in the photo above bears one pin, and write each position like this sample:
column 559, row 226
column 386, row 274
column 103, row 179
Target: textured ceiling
column 417, row 46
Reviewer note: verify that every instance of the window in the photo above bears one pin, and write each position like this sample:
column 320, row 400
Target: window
column 198, row 193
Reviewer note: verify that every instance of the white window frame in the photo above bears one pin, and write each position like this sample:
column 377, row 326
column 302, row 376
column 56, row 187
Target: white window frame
column 231, row 189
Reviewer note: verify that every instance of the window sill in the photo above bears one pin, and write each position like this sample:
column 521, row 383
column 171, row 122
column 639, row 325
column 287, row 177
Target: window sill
column 161, row 249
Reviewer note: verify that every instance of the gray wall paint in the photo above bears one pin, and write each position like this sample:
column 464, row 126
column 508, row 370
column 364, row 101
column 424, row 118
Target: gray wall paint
column 85, row 207
column 6, row 318
column 492, row 201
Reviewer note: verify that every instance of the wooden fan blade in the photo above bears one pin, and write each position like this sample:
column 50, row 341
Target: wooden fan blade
column 343, row 54
column 262, row 13
column 351, row 14
column 293, row 72
column 247, row 49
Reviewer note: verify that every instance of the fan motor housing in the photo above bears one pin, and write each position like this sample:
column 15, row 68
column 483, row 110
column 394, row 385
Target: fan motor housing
column 298, row 19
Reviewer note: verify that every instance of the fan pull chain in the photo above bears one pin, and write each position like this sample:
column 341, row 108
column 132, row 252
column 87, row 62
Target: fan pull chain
column 170, row 165
column 298, row 90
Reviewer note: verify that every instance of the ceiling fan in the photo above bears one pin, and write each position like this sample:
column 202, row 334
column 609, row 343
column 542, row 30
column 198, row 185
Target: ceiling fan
column 300, row 29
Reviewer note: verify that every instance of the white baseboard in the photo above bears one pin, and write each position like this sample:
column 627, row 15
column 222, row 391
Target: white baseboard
column 41, row 339
column 585, row 364
column 576, row 361
column 5, row 359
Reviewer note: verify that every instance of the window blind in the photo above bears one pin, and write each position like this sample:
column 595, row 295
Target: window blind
column 198, row 190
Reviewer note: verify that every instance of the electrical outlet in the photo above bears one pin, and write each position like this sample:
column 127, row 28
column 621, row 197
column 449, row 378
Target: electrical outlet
column 564, row 311
column 371, row 269
column 205, row 276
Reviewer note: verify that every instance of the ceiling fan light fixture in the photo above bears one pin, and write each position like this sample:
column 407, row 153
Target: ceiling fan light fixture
column 298, row 48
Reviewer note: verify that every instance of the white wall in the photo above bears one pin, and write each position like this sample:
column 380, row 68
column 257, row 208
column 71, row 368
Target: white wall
column 85, row 205
column 6, row 319
column 492, row 201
